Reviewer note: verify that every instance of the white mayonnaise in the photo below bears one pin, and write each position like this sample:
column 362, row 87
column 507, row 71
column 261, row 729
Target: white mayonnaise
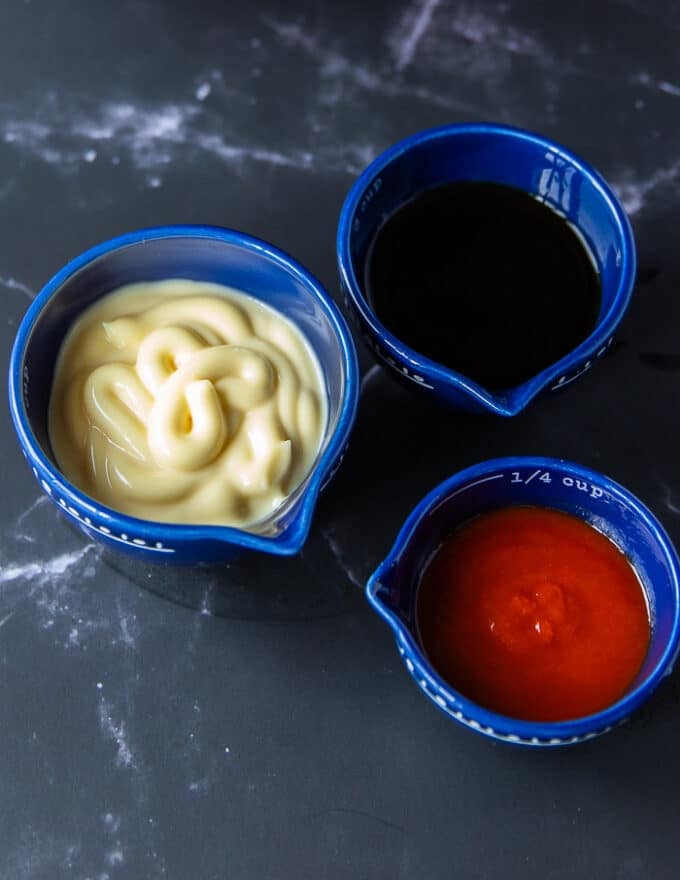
column 185, row 401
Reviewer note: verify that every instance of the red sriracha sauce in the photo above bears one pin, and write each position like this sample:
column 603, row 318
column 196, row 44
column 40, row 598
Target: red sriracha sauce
column 534, row 614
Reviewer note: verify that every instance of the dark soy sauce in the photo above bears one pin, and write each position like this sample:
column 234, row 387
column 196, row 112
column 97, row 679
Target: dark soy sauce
column 485, row 279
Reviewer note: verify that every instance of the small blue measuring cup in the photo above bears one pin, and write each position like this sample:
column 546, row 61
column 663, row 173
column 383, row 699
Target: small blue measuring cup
column 496, row 154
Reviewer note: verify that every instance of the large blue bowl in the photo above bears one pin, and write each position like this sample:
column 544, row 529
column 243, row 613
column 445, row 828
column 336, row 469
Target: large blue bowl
column 542, row 482
column 497, row 154
column 206, row 254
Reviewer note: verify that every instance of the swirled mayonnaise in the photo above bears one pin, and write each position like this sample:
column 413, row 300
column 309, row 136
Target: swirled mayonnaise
column 184, row 401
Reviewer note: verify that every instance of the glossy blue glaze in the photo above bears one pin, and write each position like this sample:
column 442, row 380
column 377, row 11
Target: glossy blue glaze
column 499, row 154
column 543, row 482
column 201, row 253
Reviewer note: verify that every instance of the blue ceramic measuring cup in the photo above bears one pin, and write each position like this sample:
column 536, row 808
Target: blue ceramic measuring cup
column 202, row 253
column 541, row 482
column 503, row 155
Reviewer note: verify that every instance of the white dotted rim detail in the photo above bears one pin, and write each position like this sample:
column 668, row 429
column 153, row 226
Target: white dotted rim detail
column 490, row 731
column 566, row 378
column 105, row 531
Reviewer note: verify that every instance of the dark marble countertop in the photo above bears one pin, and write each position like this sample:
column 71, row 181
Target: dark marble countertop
column 255, row 722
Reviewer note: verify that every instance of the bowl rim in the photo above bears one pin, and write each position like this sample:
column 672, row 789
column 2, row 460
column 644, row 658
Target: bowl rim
column 290, row 540
column 510, row 401
column 476, row 715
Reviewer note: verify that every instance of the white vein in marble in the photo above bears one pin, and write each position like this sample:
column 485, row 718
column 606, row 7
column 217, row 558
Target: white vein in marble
column 115, row 857
column 15, row 284
column 634, row 193
column 338, row 553
column 200, row 764
column 203, row 90
column 111, row 822
column 46, row 570
column 669, row 499
column 661, row 85
column 36, row 856
column 75, row 615
column 116, row 731
column 74, row 131
column 476, row 26
column 340, row 73
column 414, row 24
column 60, row 589
column 369, row 376
column 26, row 515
